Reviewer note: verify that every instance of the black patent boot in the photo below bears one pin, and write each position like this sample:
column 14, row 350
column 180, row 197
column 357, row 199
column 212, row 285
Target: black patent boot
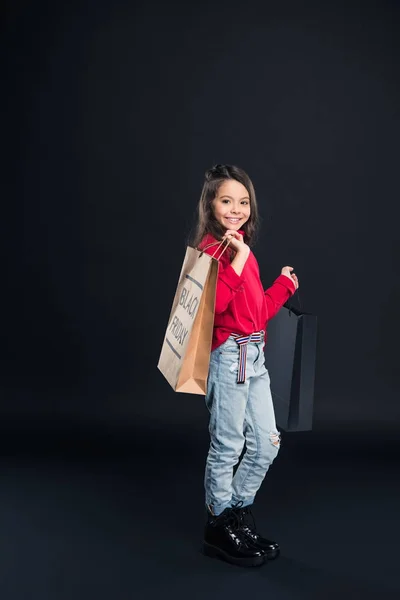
column 248, row 529
column 223, row 539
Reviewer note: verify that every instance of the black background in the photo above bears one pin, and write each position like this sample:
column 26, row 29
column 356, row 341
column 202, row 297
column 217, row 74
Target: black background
column 115, row 110
column 112, row 111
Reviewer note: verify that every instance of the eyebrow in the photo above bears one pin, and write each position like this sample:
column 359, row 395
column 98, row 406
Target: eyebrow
column 226, row 196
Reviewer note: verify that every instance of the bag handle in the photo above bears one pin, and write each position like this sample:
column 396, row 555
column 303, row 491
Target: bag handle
column 219, row 244
column 291, row 307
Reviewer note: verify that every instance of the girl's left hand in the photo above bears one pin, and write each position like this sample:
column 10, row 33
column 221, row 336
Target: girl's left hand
column 287, row 271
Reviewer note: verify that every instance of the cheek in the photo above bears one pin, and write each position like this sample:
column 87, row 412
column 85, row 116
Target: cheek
column 216, row 213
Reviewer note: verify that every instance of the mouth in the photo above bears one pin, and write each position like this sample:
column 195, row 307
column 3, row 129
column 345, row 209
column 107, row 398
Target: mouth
column 232, row 220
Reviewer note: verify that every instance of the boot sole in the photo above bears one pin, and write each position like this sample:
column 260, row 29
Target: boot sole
column 271, row 555
column 250, row 561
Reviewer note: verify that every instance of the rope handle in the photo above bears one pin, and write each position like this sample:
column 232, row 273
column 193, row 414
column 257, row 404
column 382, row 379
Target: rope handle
column 290, row 306
column 219, row 244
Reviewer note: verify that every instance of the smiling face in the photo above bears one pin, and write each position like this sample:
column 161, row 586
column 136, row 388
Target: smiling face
column 232, row 204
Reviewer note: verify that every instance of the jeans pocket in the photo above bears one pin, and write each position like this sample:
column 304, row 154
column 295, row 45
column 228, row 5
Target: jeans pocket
column 234, row 367
column 229, row 347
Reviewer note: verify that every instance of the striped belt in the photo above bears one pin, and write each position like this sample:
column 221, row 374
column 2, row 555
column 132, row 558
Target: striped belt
column 242, row 341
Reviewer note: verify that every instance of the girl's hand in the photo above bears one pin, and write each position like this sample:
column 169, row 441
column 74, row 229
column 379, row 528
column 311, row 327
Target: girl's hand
column 287, row 271
column 236, row 241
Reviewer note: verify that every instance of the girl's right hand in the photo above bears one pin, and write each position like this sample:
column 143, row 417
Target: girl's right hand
column 236, row 241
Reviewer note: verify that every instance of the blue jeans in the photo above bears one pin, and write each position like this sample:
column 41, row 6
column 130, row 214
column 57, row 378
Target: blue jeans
column 239, row 414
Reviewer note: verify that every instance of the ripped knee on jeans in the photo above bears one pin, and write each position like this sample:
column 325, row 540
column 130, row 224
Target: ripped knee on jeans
column 275, row 438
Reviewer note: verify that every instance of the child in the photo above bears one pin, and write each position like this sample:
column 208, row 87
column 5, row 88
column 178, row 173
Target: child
column 238, row 390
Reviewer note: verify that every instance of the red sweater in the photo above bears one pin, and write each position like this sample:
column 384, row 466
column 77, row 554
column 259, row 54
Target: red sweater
column 242, row 305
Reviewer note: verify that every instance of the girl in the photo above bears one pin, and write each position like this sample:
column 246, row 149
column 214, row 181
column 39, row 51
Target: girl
column 238, row 391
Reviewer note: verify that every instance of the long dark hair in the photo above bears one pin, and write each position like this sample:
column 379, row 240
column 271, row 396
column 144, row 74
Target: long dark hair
column 206, row 222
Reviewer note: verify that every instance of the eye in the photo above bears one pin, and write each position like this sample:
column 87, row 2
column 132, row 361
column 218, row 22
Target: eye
column 225, row 201
column 245, row 202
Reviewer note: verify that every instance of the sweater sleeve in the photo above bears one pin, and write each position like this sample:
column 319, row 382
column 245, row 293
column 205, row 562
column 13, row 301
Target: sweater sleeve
column 279, row 292
column 228, row 284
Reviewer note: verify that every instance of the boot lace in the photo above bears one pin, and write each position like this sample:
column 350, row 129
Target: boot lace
column 231, row 517
column 244, row 515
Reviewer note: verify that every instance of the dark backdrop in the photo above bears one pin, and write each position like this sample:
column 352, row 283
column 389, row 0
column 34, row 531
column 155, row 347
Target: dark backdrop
column 112, row 112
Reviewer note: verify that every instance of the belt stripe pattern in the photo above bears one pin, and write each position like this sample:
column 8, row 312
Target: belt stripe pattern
column 242, row 341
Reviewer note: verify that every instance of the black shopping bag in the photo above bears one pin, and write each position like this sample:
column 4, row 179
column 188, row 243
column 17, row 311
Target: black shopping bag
column 290, row 354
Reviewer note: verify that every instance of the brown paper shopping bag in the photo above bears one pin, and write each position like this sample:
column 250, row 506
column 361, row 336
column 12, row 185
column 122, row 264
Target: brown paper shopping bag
column 185, row 353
